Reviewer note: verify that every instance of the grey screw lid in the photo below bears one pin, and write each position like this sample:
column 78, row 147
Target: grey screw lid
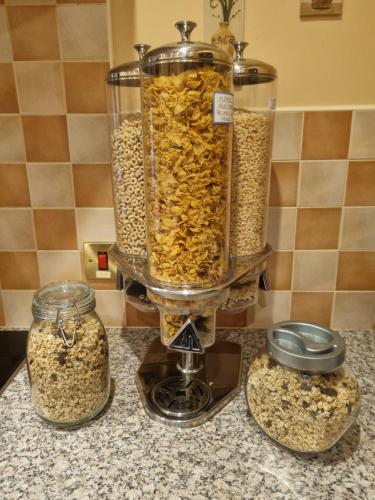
column 306, row 347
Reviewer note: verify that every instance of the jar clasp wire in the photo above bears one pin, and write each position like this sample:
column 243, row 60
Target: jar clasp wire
column 60, row 325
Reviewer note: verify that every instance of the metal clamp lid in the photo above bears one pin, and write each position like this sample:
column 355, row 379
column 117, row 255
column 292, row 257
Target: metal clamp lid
column 306, row 347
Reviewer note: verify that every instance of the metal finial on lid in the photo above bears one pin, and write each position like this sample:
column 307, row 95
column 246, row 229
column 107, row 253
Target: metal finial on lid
column 141, row 48
column 239, row 48
column 185, row 28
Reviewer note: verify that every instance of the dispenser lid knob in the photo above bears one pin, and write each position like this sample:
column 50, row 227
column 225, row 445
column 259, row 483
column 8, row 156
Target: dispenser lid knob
column 239, row 48
column 185, row 28
column 141, row 48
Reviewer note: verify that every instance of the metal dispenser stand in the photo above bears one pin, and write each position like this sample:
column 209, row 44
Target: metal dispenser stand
column 183, row 385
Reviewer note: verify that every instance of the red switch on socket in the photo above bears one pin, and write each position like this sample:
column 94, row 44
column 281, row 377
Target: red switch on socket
column 102, row 261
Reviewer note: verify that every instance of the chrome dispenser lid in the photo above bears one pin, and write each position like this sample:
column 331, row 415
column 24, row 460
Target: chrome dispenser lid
column 63, row 299
column 306, row 347
column 185, row 51
column 250, row 71
column 127, row 75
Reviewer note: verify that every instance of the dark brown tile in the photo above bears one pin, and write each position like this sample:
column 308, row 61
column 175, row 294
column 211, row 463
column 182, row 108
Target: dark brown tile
column 8, row 93
column 356, row 271
column 14, row 189
column 46, row 138
column 318, row 228
column 93, row 185
column 2, row 315
column 85, row 87
column 81, row 1
column 19, row 270
column 360, row 190
column 314, row 307
column 33, row 31
column 326, row 135
column 55, row 229
column 224, row 319
column 284, row 184
column 138, row 318
column 280, row 266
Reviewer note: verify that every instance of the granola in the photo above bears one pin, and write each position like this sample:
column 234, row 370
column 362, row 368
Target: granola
column 68, row 385
column 186, row 162
column 307, row 413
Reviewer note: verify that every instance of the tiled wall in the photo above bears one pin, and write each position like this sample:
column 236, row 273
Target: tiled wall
column 55, row 188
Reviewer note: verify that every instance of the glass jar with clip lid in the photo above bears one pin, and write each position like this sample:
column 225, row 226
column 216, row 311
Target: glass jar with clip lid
column 67, row 354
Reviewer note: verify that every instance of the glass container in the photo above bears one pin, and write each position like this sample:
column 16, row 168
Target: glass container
column 254, row 106
column 187, row 117
column 67, row 354
column 299, row 389
column 124, row 108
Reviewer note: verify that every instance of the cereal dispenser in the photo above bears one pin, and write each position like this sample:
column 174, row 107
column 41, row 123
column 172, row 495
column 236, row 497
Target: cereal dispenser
column 254, row 106
column 187, row 117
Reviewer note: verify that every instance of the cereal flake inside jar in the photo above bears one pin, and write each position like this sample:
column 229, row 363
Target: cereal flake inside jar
column 186, row 176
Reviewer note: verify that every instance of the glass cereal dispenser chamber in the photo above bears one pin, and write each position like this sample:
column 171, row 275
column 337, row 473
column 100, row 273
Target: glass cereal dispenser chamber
column 254, row 106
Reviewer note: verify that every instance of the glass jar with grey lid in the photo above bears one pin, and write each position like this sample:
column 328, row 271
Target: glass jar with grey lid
column 67, row 354
column 299, row 389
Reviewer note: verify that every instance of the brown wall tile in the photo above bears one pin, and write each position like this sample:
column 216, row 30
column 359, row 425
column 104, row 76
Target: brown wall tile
column 81, row 1
column 93, row 185
column 14, row 190
column 85, row 87
column 356, row 271
column 34, row 33
column 224, row 319
column 360, row 188
column 55, row 229
column 326, row 135
column 2, row 315
column 312, row 306
column 284, row 184
column 19, row 270
column 8, row 94
column 46, row 138
column 318, row 228
column 138, row 318
column 280, row 267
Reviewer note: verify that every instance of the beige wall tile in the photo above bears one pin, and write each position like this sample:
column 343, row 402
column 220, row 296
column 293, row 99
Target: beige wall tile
column 14, row 189
column 8, row 94
column 40, row 87
column 93, row 185
column 55, row 229
column 314, row 271
column 46, row 138
column 110, row 307
column 33, row 32
column 16, row 229
column 89, row 138
column 318, row 228
column 83, row 32
column 51, row 185
column 282, row 228
column 6, row 53
column 314, row 307
column 287, row 135
column 361, row 182
column 17, row 308
column 356, row 271
column 362, row 143
column 358, row 228
column 12, row 146
column 322, row 183
column 19, row 270
column 59, row 266
column 354, row 310
column 326, row 135
column 284, row 184
column 95, row 225
column 274, row 306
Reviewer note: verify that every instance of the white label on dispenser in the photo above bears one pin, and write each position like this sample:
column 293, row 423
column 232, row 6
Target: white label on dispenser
column 223, row 107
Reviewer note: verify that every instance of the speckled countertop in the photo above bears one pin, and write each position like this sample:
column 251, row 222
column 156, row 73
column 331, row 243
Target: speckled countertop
column 124, row 454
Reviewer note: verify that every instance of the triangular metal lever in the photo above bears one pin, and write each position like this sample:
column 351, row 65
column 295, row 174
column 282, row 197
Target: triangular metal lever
column 186, row 339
